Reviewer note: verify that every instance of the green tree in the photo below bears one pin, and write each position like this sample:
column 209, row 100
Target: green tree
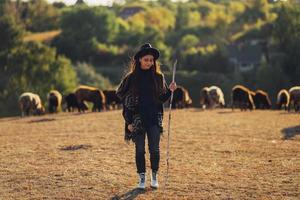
column 38, row 15
column 36, row 68
column 82, row 28
column 167, row 4
column 2, row 7
column 188, row 41
column 286, row 33
column 255, row 10
column 160, row 18
column 287, row 26
column 182, row 17
column 10, row 34
column 10, row 37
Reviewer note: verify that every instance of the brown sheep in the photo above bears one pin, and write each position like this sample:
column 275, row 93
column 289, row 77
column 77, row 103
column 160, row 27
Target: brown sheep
column 90, row 94
column 294, row 93
column 54, row 101
column 111, row 99
column 69, row 102
column 242, row 97
column 262, row 100
column 283, row 99
column 181, row 98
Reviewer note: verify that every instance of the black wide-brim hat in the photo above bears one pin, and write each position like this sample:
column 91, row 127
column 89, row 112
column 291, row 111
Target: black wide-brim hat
column 147, row 49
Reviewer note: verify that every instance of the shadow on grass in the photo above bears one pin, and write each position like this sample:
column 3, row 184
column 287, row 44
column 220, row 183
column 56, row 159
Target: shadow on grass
column 10, row 119
column 41, row 120
column 75, row 147
column 289, row 113
column 75, row 113
column 219, row 110
column 226, row 112
column 194, row 109
column 290, row 132
column 132, row 194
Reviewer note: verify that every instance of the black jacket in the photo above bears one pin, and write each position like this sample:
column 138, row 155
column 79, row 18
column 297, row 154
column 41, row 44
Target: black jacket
column 131, row 103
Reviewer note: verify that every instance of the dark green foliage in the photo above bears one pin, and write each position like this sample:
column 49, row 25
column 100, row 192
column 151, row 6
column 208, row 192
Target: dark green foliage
column 87, row 75
column 255, row 10
column 286, row 32
column 10, row 34
column 275, row 81
column 82, row 29
column 216, row 63
column 38, row 15
column 181, row 17
column 58, row 5
column 29, row 67
column 33, row 67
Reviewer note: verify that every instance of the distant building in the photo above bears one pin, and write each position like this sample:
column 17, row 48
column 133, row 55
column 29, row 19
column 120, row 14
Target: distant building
column 246, row 56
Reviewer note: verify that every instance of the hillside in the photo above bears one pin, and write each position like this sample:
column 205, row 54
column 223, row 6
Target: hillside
column 42, row 37
column 216, row 154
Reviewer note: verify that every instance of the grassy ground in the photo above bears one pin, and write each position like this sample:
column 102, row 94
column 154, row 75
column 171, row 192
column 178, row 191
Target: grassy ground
column 216, row 154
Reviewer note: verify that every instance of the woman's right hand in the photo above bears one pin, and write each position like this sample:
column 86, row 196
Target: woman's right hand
column 173, row 86
column 130, row 127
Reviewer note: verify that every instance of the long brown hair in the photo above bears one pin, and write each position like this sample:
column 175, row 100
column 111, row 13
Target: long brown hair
column 134, row 70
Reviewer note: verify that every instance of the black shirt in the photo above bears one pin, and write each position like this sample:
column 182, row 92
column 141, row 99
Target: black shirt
column 147, row 104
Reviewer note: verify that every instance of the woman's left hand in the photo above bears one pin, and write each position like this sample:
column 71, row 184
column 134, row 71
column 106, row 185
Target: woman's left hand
column 173, row 86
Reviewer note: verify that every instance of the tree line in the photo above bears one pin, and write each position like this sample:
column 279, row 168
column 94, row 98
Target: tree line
column 197, row 33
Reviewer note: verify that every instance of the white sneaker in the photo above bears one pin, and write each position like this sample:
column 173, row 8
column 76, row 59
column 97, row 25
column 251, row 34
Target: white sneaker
column 142, row 181
column 154, row 180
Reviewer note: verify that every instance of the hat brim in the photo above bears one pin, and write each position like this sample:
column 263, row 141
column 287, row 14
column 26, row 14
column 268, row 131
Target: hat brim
column 147, row 51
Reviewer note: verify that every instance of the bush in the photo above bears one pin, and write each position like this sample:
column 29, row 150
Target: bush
column 33, row 67
column 87, row 75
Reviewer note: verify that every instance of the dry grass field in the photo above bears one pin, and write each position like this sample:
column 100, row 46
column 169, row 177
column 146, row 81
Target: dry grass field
column 216, row 154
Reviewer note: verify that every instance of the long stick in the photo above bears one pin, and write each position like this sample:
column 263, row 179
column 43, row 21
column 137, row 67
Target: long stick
column 169, row 125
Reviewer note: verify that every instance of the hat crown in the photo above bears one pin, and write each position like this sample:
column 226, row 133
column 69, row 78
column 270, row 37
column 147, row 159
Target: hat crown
column 145, row 46
column 146, row 49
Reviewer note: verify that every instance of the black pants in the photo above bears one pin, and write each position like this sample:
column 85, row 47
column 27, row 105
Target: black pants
column 153, row 135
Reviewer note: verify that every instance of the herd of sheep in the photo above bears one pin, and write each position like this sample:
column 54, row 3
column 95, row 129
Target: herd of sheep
column 210, row 97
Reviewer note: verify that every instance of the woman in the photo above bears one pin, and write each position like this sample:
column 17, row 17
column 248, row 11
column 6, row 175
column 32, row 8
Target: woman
column 143, row 92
